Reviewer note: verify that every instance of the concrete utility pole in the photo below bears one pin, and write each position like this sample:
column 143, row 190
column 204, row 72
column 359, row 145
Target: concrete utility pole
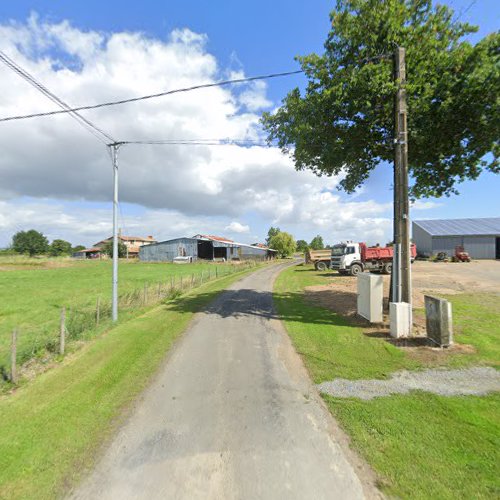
column 114, row 155
column 401, row 291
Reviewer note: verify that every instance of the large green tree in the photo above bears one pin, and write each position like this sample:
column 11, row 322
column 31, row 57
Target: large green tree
column 31, row 242
column 302, row 246
column 60, row 247
column 317, row 243
column 343, row 123
column 273, row 231
column 283, row 243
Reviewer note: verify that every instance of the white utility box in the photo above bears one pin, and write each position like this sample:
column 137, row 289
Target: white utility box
column 370, row 297
column 401, row 319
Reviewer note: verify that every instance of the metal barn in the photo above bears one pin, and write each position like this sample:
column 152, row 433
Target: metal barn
column 202, row 247
column 479, row 237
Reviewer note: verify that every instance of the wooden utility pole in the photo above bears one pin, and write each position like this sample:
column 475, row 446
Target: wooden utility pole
column 401, row 290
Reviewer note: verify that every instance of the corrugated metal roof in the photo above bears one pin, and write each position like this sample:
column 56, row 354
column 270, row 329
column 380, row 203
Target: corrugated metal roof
column 461, row 227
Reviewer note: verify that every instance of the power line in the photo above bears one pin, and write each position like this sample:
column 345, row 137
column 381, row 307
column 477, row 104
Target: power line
column 464, row 11
column 152, row 96
column 196, row 142
column 92, row 128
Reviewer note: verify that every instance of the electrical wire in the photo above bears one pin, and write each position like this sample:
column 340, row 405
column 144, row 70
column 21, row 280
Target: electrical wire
column 198, row 142
column 464, row 11
column 66, row 108
column 152, row 96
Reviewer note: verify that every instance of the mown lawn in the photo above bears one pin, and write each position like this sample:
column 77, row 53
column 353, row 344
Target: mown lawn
column 33, row 291
column 421, row 445
column 52, row 427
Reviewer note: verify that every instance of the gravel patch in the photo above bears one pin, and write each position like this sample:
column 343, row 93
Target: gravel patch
column 465, row 382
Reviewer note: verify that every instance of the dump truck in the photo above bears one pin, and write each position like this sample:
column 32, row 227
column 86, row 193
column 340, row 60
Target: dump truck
column 354, row 258
column 320, row 258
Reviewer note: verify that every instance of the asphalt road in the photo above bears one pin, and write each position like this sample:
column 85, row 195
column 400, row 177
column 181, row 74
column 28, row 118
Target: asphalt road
column 231, row 415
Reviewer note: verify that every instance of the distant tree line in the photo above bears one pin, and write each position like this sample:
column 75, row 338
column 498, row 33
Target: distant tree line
column 33, row 243
column 285, row 244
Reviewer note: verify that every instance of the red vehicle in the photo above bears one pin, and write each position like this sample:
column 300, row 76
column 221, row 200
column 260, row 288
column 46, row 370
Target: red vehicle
column 354, row 258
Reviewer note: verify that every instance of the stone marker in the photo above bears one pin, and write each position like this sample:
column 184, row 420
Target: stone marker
column 370, row 297
column 438, row 320
column 400, row 317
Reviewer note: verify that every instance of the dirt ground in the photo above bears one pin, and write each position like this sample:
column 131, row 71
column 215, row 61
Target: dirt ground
column 428, row 278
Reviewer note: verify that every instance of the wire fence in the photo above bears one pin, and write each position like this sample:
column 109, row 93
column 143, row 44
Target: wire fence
column 83, row 322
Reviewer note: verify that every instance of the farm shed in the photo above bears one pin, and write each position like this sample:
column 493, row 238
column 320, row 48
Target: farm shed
column 89, row 253
column 479, row 237
column 201, row 246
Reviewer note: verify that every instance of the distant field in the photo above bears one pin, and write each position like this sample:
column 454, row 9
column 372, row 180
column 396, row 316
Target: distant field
column 32, row 292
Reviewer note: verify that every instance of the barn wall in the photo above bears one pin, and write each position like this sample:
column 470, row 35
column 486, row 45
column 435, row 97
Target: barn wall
column 166, row 251
column 479, row 247
column 422, row 240
column 252, row 253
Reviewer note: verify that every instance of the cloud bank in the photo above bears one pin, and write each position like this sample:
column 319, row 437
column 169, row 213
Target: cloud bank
column 57, row 177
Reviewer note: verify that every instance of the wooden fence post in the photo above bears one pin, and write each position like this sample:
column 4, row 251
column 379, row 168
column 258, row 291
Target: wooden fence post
column 172, row 283
column 145, row 299
column 62, row 331
column 181, row 283
column 159, row 290
column 98, row 310
column 13, row 357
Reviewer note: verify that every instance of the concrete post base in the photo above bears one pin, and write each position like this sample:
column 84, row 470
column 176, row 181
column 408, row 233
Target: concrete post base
column 400, row 317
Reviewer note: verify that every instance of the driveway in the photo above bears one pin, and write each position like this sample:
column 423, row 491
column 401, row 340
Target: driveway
column 232, row 414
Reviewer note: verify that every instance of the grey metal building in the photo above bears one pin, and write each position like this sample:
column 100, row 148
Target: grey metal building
column 479, row 237
column 202, row 247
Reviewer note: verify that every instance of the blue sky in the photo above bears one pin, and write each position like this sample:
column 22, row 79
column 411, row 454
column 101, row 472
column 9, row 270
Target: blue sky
column 255, row 37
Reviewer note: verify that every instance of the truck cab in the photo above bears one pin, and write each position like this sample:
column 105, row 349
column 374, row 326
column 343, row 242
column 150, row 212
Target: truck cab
column 344, row 255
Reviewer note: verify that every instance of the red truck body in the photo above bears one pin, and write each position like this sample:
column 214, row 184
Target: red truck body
column 381, row 253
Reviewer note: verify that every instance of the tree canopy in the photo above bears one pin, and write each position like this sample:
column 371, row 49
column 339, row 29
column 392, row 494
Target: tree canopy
column 107, row 249
column 283, row 243
column 302, row 246
column 317, row 243
column 273, row 231
column 60, row 247
column 344, row 121
column 31, row 242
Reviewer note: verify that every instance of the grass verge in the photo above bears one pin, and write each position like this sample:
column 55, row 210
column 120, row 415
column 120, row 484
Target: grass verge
column 421, row 445
column 52, row 428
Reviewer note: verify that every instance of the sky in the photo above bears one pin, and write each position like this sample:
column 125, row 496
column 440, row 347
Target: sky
column 57, row 177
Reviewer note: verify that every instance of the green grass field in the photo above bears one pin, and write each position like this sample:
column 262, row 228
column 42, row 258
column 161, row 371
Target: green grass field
column 52, row 428
column 420, row 445
column 33, row 291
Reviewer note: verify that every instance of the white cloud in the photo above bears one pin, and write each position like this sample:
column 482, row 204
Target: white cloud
column 424, row 205
column 237, row 227
column 181, row 189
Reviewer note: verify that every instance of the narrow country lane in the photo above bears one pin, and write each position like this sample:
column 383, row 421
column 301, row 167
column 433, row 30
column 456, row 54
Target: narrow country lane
column 231, row 415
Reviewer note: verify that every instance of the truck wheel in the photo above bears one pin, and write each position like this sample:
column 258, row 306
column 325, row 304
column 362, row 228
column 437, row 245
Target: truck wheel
column 321, row 266
column 388, row 268
column 356, row 269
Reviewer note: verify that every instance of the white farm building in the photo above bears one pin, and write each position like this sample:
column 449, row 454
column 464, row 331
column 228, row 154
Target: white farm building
column 479, row 237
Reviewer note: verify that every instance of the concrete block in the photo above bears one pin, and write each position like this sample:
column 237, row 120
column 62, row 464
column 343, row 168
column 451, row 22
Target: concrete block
column 438, row 320
column 370, row 297
column 400, row 318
